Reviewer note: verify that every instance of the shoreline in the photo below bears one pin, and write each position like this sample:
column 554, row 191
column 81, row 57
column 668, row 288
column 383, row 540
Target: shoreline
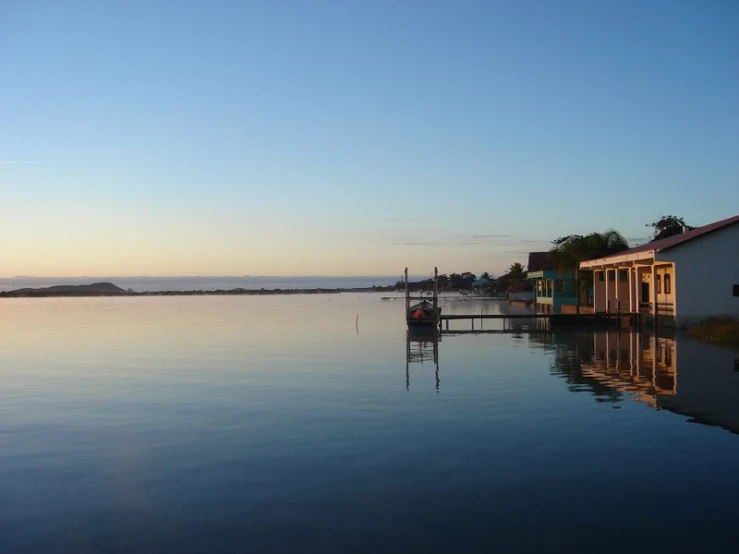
column 217, row 292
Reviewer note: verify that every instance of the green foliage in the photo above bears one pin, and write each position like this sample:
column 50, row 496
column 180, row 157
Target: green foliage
column 570, row 250
column 453, row 281
column 514, row 280
column 723, row 330
column 516, row 270
column 667, row 226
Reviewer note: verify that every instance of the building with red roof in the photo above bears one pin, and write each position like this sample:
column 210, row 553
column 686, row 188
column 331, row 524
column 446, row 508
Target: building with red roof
column 678, row 280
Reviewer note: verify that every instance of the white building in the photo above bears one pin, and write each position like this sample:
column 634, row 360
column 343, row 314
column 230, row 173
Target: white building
column 681, row 280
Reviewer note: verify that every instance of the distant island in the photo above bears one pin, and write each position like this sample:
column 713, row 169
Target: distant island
column 109, row 289
column 94, row 289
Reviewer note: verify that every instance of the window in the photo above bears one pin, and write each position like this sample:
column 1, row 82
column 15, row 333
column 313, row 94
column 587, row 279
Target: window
column 600, row 276
column 668, row 283
column 658, row 284
column 611, row 275
column 623, row 276
column 736, row 290
column 559, row 285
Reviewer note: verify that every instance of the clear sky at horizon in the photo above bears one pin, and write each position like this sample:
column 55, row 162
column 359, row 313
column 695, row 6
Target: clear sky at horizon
column 355, row 138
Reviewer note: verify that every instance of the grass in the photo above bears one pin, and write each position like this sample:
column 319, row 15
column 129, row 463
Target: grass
column 718, row 331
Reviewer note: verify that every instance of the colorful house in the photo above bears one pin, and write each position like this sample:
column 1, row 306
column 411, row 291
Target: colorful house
column 552, row 288
column 676, row 281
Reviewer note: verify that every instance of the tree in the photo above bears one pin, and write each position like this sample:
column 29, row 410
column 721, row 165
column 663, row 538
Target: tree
column 513, row 281
column 516, row 270
column 486, row 275
column 667, row 226
column 570, row 250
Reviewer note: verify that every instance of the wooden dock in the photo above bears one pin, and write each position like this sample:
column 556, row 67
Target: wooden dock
column 549, row 320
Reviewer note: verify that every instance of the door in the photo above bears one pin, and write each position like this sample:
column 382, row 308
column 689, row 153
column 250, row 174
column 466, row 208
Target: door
column 645, row 291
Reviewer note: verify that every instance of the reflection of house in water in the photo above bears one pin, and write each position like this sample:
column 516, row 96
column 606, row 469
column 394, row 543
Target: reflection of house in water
column 641, row 364
column 677, row 374
column 421, row 347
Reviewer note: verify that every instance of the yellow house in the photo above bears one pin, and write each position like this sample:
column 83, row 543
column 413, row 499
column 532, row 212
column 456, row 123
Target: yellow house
column 675, row 281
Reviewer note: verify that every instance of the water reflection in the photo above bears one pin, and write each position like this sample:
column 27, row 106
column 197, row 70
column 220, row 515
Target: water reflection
column 672, row 373
column 421, row 347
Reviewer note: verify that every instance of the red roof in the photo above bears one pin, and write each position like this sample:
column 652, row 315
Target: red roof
column 676, row 240
column 539, row 261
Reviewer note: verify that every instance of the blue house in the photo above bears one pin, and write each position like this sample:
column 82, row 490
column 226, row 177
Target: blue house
column 552, row 289
column 478, row 285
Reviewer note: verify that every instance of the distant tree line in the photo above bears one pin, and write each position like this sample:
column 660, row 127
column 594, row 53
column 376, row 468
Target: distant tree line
column 453, row 281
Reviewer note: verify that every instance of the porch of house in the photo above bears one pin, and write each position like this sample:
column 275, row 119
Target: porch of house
column 644, row 286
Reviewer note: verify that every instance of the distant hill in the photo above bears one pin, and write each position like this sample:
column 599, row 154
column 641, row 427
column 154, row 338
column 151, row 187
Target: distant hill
column 94, row 289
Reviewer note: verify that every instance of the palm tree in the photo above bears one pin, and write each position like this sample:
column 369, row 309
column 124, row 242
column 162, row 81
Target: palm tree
column 569, row 251
column 513, row 280
column 516, row 270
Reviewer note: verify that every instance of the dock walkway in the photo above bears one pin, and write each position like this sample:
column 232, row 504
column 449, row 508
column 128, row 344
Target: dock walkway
column 551, row 320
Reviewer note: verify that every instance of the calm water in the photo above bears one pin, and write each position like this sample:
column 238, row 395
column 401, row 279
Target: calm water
column 141, row 284
column 314, row 424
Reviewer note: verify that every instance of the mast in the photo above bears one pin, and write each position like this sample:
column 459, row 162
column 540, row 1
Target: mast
column 407, row 293
column 436, row 290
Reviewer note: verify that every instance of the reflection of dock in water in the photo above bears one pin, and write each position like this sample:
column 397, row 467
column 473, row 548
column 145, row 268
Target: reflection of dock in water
column 421, row 347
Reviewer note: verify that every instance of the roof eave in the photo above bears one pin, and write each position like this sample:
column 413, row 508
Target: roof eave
column 618, row 259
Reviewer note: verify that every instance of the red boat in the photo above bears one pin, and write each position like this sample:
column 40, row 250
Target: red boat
column 422, row 310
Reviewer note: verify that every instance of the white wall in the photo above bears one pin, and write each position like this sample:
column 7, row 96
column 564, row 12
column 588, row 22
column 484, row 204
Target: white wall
column 599, row 291
column 705, row 271
column 662, row 272
column 623, row 289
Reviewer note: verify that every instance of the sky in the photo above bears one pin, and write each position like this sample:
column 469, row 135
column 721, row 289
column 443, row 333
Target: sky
column 332, row 137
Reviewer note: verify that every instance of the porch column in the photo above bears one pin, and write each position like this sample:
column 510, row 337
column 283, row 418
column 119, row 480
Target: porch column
column 608, row 292
column 617, row 284
column 631, row 290
column 654, row 292
column 595, row 290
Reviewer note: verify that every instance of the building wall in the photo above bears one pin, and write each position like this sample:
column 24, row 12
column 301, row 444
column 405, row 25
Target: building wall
column 599, row 291
column 706, row 270
column 666, row 274
column 572, row 309
column 548, row 298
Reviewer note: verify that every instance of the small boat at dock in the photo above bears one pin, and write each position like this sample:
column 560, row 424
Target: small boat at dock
column 422, row 310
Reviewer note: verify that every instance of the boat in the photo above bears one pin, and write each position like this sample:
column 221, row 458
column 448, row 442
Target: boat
column 422, row 311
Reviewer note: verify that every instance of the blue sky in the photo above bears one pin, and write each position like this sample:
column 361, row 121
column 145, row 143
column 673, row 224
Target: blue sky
column 355, row 138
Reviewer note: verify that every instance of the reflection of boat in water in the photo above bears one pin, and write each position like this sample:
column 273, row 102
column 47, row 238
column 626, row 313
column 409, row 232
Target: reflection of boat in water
column 422, row 311
column 421, row 346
